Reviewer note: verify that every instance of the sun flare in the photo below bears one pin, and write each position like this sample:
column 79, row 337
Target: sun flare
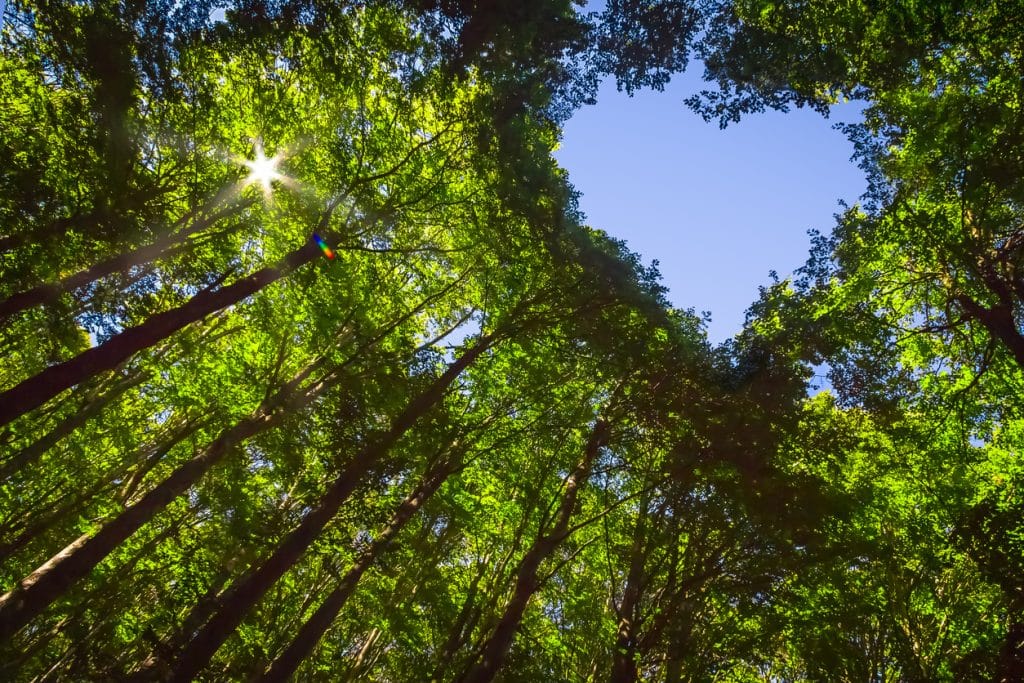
column 263, row 170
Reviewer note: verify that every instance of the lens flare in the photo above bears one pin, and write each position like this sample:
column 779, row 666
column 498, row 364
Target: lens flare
column 328, row 252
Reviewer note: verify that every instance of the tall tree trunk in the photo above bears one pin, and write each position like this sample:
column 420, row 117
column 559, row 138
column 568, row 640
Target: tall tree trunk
column 56, row 576
column 163, row 650
column 497, row 646
column 47, row 293
column 21, row 519
column 95, row 401
column 51, row 580
column 98, row 601
column 674, row 669
column 45, row 385
column 149, row 457
column 248, row 590
column 624, row 661
column 371, row 639
column 44, row 518
column 456, row 633
column 282, row 668
column 91, row 409
column 488, row 610
column 1011, row 655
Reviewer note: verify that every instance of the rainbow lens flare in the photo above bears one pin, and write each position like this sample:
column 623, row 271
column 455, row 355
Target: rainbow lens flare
column 328, row 252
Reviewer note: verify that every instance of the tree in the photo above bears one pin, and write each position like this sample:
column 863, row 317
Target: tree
column 472, row 440
column 916, row 294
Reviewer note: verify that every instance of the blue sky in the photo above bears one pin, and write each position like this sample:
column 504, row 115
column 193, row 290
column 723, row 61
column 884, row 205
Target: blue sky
column 717, row 208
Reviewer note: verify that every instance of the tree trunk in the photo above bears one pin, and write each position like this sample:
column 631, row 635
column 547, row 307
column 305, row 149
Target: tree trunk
column 497, row 646
column 97, row 601
column 51, row 580
column 43, row 521
column 56, row 576
column 92, row 408
column 45, row 385
column 371, row 640
column 248, row 590
column 152, row 455
column 999, row 322
column 164, row 649
column 624, row 662
column 674, row 669
column 46, row 518
column 282, row 668
column 1011, row 655
column 49, row 292
column 456, row 635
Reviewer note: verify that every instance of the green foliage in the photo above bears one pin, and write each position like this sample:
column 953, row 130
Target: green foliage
column 727, row 525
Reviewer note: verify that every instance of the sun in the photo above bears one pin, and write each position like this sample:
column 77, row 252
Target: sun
column 263, row 170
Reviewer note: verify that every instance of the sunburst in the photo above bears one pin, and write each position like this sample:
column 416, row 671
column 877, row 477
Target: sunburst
column 263, row 170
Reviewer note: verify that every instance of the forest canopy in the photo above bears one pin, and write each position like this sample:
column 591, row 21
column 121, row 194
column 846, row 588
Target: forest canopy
column 313, row 370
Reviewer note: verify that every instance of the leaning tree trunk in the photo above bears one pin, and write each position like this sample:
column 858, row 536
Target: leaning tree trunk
column 45, row 385
column 51, row 580
column 163, row 650
column 55, row 577
column 497, row 646
column 463, row 622
column 97, row 600
column 248, row 590
column 44, row 519
column 95, row 402
column 92, row 407
column 49, row 292
column 282, row 668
